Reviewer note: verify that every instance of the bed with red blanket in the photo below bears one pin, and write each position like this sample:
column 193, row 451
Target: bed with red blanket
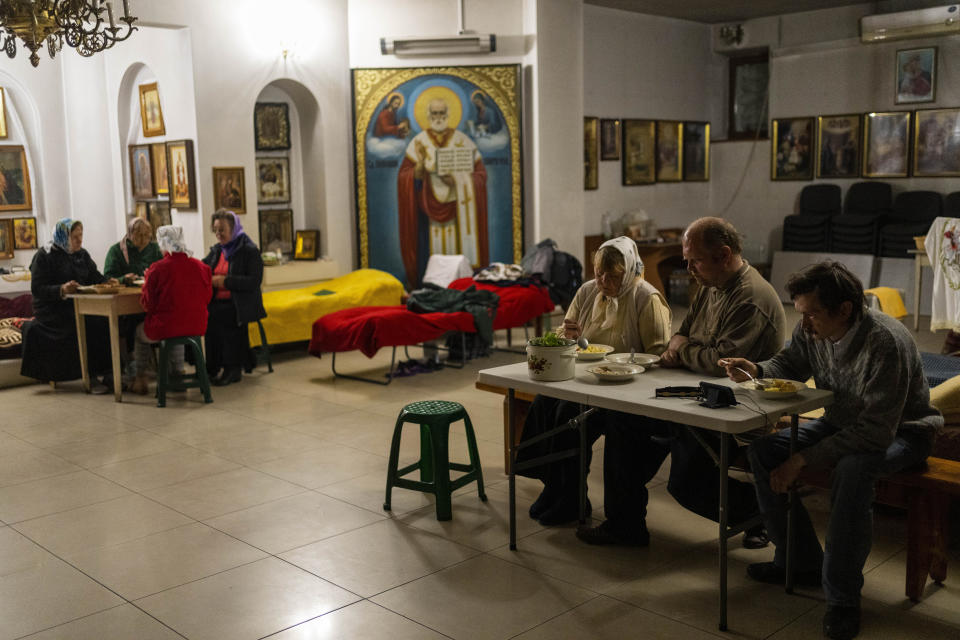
column 371, row 328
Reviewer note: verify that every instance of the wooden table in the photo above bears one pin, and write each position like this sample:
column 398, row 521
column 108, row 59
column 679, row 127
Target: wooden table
column 112, row 306
column 638, row 397
column 920, row 260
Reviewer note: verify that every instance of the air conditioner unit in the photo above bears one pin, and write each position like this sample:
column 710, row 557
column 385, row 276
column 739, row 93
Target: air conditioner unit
column 910, row 24
column 439, row 45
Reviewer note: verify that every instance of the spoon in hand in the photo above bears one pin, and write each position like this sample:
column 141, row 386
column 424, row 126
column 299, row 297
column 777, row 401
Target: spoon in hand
column 583, row 343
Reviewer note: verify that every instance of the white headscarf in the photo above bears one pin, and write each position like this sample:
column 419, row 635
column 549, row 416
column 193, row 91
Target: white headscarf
column 633, row 267
column 170, row 239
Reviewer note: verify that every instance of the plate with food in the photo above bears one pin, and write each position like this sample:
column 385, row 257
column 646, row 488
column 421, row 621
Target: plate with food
column 593, row 351
column 772, row 387
column 99, row 288
column 642, row 359
column 612, row 372
column 137, row 282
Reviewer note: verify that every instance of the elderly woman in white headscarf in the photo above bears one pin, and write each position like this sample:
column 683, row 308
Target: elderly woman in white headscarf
column 175, row 294
column 617, row 308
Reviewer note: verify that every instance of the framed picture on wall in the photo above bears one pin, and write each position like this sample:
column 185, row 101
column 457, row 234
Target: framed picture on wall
column 273, row 180
column 15, row 191
column 180, row 167
column 158, row 215
column 3, row 113
column 610, row 139
column 141, row 171
column 276, row 230
column 639, row 152
column 24, row 233
column 886, row 144
column 669, row 151
column 747, row 107
column 6, row 239
column 161, row 179
column 271, row 124
column 696, row 151
column 141, row 211
column 151, row 115
column 229, row 190
column 590, row 162
column 306, row 246
column 936, row 142
column 916, row 75
column 838, row 146
column 791, row 144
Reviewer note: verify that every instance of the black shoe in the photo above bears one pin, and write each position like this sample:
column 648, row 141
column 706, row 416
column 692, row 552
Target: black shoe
column 604, row 534
column 771, row 573
column 564, row 511
column 841, row 623
column 229, row 376
column 755, row 538
column 544, row 501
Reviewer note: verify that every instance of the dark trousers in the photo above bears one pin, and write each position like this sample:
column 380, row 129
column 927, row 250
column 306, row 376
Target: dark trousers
column 545, row 414
column 227, row 340
column 634, row 451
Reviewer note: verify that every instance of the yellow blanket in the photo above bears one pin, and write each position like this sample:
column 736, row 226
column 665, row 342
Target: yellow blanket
column 292, row 312
column 890, row 301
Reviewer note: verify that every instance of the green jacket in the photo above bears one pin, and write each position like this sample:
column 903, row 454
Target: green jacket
column 116, row 267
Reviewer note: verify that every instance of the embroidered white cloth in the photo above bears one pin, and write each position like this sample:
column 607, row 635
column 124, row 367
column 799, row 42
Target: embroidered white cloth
column 943, row 249
column 442, row 269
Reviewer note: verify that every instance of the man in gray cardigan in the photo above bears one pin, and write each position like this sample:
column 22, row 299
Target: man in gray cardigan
column 880, row 422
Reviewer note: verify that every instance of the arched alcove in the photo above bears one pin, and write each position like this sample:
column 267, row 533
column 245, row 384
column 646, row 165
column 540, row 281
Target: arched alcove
column 307, row 184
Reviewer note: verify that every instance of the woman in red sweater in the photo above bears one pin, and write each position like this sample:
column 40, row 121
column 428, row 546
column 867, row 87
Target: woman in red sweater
column 175, row 296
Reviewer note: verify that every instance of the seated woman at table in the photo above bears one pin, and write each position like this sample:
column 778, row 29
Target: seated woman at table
column 50, row 351
column 128, row 259
column 618, row 308
column 237, row 273
column 175, row 295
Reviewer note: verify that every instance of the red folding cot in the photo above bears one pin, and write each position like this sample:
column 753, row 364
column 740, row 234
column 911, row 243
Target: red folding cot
column 371, row 328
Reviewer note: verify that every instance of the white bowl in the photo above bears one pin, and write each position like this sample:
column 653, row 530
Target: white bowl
column 596, row 352
column 615, row 372
column 642, row 359
column 785, row 388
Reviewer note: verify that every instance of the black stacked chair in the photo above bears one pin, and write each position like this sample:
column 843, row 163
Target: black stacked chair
column 856, row 230
column 809, row 230
column 913, row 213
column 951, row 205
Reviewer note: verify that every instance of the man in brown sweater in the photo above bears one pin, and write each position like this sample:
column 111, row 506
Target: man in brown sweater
column 735, row 311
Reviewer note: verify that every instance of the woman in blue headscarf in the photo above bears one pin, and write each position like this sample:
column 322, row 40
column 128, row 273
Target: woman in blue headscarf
column 237, row 273
column 50, row 351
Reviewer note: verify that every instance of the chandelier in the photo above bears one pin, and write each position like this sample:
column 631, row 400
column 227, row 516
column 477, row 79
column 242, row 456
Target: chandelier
column 89, row 26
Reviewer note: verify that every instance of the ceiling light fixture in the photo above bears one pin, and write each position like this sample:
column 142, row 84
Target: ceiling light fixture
column 88, row 26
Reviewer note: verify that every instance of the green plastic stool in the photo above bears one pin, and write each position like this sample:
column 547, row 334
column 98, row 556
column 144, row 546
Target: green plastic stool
column 434, row 418
column 167, row 382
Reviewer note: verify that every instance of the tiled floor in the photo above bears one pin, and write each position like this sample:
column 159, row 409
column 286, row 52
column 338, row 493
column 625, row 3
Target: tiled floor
column 261, row 516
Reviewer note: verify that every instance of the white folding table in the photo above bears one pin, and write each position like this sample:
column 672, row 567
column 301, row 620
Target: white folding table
column 638, row 397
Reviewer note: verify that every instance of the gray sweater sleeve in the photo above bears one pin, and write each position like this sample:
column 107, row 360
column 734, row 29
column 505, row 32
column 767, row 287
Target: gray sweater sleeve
column 740, row 334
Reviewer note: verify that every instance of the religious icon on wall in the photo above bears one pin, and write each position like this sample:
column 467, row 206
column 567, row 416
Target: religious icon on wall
column 306, row 246
column 25, row 233
column 158, row 215
column 141, row 171
column 229, row 190
column 438, row 166
column 696, row 151
column 180, row 167
column 276, row 230
column 271, row 124
column 669, row 151
column 151, row 115
column 936, row 142
column 3, row 113
column 590, row 162
column 609, row 139
column 838, row 146
column 161, row 184
column 6, row 239
column 273, row 180
column 916, row 75
column 14, row 179
column 886, row 142
column 791, row 143
column 639, row 152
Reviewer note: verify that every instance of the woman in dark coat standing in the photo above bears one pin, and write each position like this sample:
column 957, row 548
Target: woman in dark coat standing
column 50, row 351
column 237, row 273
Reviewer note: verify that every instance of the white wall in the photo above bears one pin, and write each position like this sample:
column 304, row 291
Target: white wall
column 648, row 67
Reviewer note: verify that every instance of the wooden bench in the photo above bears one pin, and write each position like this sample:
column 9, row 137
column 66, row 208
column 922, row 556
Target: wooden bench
column 925, row 494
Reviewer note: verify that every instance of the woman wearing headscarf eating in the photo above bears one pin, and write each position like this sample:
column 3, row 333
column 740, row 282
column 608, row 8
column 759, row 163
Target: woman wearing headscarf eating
column 175, row 294
column 237, row 273
column 618, row 308
column 128, row 259
column 50, row 351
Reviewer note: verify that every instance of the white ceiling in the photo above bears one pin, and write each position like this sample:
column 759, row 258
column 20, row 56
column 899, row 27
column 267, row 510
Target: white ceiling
column 714, row 11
